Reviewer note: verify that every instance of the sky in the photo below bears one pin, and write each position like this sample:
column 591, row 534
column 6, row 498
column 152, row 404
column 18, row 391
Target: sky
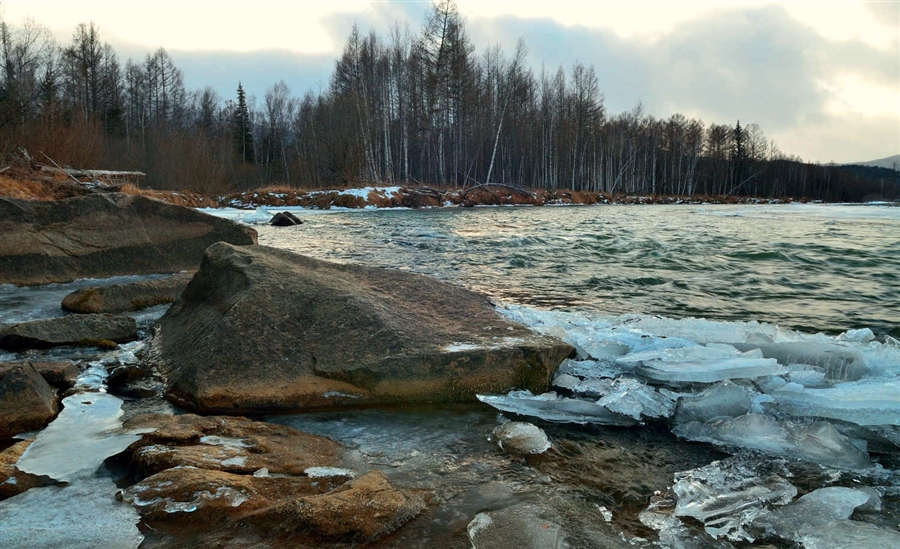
column 821, row 78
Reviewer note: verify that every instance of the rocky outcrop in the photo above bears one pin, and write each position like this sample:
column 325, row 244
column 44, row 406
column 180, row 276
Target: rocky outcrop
column 96, row 330
column 103, row 235
column 60, row 375
column 264, row 329
column 27, row 402
column 120, row 298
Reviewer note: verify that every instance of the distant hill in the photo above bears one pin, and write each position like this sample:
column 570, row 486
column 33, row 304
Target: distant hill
column 891, row 163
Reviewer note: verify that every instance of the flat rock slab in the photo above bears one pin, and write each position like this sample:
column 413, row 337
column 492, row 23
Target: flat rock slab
column 68, row 330
column 27, row 402
column 261, row 329
column 12, row 480
column 103, row 235
column 121, row 298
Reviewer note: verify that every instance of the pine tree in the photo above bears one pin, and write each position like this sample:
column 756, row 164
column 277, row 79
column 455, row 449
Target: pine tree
column 243, row 136
column 738, row 155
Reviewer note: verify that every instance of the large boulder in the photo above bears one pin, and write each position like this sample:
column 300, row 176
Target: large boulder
column 67, row 330
column 120, row 298
column 27, row 402
column 263, row 329
column 102, row 235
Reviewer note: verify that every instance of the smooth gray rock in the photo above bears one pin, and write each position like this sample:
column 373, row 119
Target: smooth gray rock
column 103, row 235
column 67, row 330
column 120, row 298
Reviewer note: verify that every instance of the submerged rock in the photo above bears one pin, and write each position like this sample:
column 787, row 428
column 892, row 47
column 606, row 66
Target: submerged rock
column 265, row 329
column 361, row 510
column 518, row 527
column 120, row 298
column 92, row 330
column 103, row 235
column 27, row 402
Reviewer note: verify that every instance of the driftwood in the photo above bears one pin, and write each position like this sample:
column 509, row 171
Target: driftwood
column 489, row 188
column 105, row 177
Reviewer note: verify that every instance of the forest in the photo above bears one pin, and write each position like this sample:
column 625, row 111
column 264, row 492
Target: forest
column 417, row 107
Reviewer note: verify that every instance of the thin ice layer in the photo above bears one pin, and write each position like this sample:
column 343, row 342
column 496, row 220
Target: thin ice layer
column 83, row 515
column 552, row 407
column 816, row 442
column 703, row 364
column 862, row 403
column 76, row 443
column 632, row 398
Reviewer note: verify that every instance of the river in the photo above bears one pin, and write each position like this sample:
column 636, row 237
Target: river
column 694, row 274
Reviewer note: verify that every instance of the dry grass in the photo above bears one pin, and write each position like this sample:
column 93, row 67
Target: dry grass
column 25, row 189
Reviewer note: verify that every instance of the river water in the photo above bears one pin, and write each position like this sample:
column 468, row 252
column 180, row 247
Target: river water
column 691, row 273
column 814, row 268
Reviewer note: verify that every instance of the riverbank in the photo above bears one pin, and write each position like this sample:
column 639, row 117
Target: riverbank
column 31, row 185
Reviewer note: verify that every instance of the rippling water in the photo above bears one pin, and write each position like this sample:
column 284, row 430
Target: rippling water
column 808, row 267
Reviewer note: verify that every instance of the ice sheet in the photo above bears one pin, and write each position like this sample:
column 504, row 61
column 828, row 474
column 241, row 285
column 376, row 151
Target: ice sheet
column 865, row 402
column 552, row 407
column 817, row 442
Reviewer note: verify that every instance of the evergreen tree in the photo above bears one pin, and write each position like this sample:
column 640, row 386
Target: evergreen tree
column 738, row 155
column 243, row 136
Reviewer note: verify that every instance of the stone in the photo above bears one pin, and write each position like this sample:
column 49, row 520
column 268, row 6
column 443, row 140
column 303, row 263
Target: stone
column 223, row 443
column 60, row 374
column 27, row 402
column 103, row 235
column 285, row 219
column 520, row 438
column 121, row 298
column 12, row 480
column 261, row 329
column 93, row 330
column 361, row 510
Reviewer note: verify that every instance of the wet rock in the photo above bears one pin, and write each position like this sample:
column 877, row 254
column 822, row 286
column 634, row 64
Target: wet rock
column 120, row 298
column 223, row 443
column 60, row 374
column 518, row 527
column 27, row 402
column 363, row 509
column 520, row 438
column 285, row 219
column 103, row 235
column 206, row 497
column 265, row 329
column 96, row 330
column 12, row 480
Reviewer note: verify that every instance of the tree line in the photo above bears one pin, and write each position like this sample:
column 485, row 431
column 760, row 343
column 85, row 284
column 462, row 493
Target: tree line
column 415, row 107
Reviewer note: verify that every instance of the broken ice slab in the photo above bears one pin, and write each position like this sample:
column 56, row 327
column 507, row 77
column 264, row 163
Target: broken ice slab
column 726, row 496
column 811, row 512
column 863, row 403
column 851, row 534
column 87, row 431
column 703, row 364
column 632, row 398
column 817, row 442
column 594, row 369
column 552, row 407
column 83, row 515
column 724, row 399
column 837, row 362
column 675, row 534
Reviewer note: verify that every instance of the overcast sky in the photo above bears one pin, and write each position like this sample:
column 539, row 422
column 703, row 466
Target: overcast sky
column 820, row 78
